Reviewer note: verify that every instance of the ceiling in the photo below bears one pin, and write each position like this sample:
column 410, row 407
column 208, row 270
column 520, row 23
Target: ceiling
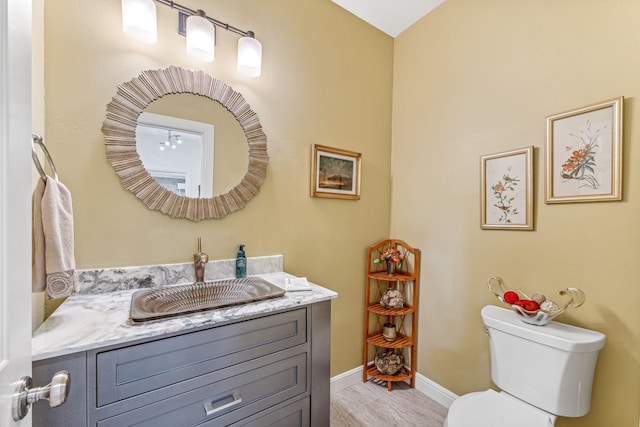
column 390, row 16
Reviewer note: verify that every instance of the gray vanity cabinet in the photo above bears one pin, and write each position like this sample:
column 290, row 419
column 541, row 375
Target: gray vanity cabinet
column 267, row 370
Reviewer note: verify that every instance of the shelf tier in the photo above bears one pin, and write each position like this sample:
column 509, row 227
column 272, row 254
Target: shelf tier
column 401, row 342
column 379, row 309
column 398, row 277
column 403, row 375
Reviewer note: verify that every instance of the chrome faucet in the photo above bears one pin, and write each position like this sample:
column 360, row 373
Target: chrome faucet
column 199, row 260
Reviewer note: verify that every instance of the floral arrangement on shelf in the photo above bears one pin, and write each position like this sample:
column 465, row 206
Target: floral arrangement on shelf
column 391, row 256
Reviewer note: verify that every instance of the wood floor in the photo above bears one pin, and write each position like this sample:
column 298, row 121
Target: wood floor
column 371, row 405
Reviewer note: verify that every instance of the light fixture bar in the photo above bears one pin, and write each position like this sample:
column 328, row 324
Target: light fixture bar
column 185, row 12
column 199, row 29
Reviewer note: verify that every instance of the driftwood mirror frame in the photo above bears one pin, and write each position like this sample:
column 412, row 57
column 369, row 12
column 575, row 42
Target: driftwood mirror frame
column 119, row 129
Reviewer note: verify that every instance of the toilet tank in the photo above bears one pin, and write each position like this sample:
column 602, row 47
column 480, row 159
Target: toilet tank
column 550, row 367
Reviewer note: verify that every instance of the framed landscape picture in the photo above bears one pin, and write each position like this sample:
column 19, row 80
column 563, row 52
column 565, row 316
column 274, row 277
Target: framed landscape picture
column 584, row 154
column 507, row 190
column 335, row 173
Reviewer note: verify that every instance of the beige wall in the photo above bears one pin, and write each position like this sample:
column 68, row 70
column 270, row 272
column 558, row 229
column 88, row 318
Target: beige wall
column 327, row 79
column 475, row 78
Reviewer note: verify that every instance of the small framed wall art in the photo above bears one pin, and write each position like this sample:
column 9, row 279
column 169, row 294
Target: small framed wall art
column 584, row 154
column 335, row 173
column 507, row 190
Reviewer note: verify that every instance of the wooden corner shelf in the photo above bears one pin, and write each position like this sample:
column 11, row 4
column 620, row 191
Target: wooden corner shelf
column 403, row 375
column 379, row 309
column 399, row 276
column 402, row 341
column 405, row 280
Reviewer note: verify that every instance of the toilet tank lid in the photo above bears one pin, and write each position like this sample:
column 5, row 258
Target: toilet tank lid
column 554, row 334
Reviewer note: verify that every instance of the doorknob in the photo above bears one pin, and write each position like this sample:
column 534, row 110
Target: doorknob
column 24, row 396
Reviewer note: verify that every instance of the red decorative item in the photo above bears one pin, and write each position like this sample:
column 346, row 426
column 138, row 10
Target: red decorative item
column 527, row 304
column 510, row 297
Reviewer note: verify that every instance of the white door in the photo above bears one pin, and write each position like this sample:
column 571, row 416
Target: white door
column 15, row 202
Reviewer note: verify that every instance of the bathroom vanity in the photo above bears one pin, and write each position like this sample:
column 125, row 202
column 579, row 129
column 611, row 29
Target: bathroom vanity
column 264, row 363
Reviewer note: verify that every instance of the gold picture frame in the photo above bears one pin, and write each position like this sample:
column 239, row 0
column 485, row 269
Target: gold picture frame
column 584, row 154
column 507, row 190
column 335, row 173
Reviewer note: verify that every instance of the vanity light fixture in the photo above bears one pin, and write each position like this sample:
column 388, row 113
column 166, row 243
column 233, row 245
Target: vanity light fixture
column 249, row 55
column 201, row 37
column 139, row 20
column 200, row 30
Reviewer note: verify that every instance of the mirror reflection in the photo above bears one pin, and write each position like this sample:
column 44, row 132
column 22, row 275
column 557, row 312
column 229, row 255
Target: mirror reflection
column 177, row 153
column 191, row 145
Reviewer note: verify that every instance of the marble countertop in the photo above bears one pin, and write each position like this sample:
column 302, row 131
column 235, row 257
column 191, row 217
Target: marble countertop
column 88, row 321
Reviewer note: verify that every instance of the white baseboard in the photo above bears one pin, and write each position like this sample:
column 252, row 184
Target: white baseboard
column 430, row 388
column 435, row 391
column 346, row 379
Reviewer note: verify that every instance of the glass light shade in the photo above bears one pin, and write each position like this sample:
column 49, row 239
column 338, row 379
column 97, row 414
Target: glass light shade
column 249, row 56
column 201, row 38
column 139, row 20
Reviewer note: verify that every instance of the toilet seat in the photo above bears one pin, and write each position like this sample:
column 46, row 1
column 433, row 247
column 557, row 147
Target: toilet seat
column 492, row 409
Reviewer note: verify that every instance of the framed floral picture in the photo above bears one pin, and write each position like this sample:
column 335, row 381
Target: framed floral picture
column 584, row 154
column 335, row 173
column 506, row 190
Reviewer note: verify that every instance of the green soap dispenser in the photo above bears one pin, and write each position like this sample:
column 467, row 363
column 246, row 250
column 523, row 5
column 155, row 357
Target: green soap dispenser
column 241, row 263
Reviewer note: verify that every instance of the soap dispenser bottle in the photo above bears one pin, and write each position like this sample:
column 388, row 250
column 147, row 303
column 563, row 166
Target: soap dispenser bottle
column 241, row 263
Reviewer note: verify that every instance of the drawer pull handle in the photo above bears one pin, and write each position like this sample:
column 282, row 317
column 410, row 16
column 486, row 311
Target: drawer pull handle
column 210, row 410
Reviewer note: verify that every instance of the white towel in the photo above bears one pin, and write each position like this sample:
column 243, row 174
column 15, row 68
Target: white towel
column 54, row 268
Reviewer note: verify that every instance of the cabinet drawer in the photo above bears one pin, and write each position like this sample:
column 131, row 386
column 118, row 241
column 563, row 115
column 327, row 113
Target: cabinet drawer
column 296, row 414
column 223, row 402
column 129, row 371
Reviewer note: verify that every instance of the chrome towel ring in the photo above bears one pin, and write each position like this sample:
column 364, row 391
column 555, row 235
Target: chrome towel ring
column 37, row 140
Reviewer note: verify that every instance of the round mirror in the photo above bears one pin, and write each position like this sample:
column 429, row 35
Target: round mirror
column 179, row 152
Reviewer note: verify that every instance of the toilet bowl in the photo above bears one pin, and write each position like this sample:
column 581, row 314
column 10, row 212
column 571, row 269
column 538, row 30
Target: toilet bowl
column 561, row 361
column 492, row 409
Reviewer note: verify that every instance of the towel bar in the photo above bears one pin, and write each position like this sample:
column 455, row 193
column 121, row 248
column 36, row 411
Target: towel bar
column 37, row 140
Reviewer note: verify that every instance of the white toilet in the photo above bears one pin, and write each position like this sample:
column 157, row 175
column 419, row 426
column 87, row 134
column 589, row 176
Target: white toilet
column 543, row 372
